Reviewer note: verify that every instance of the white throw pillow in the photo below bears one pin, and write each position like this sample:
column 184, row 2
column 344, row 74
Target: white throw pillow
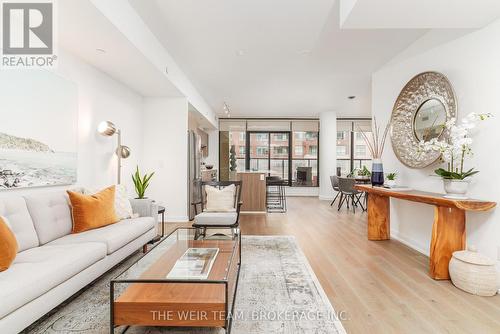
column 220, row 200
column 123, row 208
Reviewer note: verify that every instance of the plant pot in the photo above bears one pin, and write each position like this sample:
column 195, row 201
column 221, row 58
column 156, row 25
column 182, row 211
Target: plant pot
column 377, row 173
column 456, row 188
column 391, row 183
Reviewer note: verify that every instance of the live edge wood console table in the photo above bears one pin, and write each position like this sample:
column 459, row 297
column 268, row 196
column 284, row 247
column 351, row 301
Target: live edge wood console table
column 448, row 231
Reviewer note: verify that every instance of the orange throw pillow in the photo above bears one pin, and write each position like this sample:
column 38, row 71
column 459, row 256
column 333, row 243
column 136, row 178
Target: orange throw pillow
column 93, row 211
column 8, row 246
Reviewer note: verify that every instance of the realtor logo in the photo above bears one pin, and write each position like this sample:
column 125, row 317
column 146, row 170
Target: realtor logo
column 28, row 34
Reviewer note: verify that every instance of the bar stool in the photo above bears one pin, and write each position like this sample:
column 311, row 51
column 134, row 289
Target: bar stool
column 275, row 194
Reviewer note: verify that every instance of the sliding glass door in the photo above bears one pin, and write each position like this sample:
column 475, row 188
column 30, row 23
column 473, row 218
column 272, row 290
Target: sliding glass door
column 270, row 152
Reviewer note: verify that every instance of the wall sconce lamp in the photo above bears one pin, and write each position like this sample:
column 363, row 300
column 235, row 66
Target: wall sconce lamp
column 107, row 128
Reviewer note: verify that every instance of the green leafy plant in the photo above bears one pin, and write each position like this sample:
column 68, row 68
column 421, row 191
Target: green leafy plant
column 391, row 176
column 364, row 172
column 445, row 174
column 360, row 172
column 141, row 183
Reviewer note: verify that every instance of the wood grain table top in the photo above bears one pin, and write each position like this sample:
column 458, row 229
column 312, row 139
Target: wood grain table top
column 429, row 198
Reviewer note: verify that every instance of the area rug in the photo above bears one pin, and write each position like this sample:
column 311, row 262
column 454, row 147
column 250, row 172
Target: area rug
column 277, row 293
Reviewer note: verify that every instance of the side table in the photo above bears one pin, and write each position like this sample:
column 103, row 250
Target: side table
column 161, row 211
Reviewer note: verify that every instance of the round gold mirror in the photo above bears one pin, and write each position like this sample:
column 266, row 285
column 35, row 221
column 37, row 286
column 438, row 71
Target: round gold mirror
column 429, row 120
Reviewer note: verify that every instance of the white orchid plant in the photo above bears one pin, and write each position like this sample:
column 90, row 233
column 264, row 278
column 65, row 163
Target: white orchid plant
column 456, row 148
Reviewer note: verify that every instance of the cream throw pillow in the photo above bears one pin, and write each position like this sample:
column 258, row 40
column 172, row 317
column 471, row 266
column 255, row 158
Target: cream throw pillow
column 220, row 200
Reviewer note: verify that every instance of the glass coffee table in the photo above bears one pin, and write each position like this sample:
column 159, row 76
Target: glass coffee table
column 180, row 282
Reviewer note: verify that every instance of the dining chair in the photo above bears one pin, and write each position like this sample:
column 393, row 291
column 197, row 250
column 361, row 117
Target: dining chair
column 334, row 180
column 349, row 194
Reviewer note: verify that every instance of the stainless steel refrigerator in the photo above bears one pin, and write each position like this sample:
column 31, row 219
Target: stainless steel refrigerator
column 194, row 173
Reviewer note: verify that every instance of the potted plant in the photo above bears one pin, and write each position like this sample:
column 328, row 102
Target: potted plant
column 376, row 144
column 454, row 151
column 232, row 163
column 141, row 183
column 391, row 180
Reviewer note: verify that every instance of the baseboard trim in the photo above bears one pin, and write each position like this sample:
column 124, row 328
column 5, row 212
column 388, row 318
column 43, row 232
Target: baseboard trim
column 325, row 198
column 408, row 242
column 176, row 219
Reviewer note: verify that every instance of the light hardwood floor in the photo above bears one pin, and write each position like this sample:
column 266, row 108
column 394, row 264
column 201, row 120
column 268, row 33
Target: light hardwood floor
column 382, row 286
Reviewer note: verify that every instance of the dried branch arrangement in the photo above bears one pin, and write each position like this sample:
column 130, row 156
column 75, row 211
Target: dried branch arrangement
column 376, row 143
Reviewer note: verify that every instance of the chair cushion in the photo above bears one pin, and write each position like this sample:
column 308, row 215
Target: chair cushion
column 18, row 216
column 220, row 200
column 216, row 218
column 8, row 245
column 93, row 211
column 51, row 215
column 114, row 236
column 38, row 270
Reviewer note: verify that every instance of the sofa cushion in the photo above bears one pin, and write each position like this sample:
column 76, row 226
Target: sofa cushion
column 216, row 218
column 16, row 212
column 114, row 236
column 51, row 215
column 37, row 270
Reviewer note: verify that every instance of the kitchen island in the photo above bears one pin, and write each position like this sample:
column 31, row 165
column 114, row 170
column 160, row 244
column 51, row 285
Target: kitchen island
column 253, row 189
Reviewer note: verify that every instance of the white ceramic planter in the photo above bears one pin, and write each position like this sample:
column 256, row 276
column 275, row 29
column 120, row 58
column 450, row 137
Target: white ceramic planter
column 456, row 188
column 390, row 183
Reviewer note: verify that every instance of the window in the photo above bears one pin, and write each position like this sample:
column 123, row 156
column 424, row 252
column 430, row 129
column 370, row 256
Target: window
column 352, row 151
column 284, row 148
column 299, row 150
column 280, row 137
column 305, row 159
column 280, row 150
column 261, row 150
column 311, row 135
column 299, row 135
column 261, row 137
column 360, row 149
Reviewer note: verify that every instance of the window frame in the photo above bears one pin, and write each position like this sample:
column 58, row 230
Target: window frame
column 352, row 161
column 291, row 139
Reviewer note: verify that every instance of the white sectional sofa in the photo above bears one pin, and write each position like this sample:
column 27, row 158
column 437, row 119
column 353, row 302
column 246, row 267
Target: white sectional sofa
column 52, row 264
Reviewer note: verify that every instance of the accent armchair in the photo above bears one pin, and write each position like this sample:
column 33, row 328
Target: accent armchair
column 217, row 219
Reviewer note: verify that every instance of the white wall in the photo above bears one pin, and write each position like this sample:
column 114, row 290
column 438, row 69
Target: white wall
column 165, row 152
column 472, row 64
column 99, row 98
column 327, row 153
column 127, row 20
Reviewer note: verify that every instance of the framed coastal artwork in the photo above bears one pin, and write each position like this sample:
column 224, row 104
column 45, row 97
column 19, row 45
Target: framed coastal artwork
column 38, row 129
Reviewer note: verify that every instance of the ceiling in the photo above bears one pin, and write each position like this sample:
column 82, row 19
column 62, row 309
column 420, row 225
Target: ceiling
column 412, row 14
column 83, row 29
column 278, row 58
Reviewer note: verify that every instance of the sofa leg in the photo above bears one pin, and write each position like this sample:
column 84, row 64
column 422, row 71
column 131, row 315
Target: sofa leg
column 144, row 249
